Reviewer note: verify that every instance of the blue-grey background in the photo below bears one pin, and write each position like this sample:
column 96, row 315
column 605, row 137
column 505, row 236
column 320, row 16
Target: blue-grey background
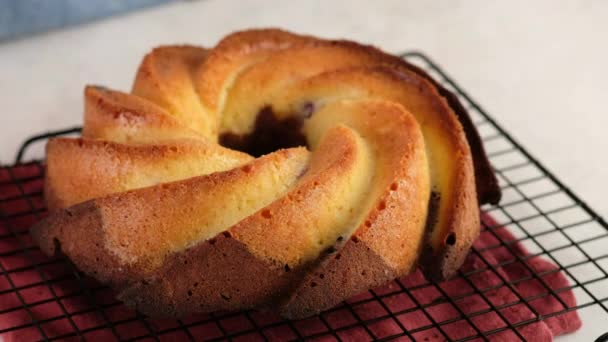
column 20, row 18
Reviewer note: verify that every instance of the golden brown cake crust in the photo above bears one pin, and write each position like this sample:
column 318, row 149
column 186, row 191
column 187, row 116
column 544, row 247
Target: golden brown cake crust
column 340, row 274
column 81, row 169
column 231, row 265
column 134, row 231
column 121, row 117
column 148, row 202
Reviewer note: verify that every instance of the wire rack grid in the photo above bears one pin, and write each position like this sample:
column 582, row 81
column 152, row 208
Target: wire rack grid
column 541, row 212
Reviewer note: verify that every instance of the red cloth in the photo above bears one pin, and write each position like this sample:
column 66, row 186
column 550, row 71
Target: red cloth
column 91, row 316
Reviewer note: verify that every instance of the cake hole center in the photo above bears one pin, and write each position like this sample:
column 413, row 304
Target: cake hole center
column 270, row 133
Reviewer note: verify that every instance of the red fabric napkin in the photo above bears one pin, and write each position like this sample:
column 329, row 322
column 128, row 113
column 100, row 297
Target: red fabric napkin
column 61, row 305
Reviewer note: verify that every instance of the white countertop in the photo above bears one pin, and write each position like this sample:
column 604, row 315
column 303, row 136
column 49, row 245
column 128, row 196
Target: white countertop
column 540, row 68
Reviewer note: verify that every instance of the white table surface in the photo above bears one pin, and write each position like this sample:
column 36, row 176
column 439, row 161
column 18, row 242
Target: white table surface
column 540, row 68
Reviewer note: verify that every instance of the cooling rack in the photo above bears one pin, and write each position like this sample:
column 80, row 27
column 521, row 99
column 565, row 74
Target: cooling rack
column 541, row 213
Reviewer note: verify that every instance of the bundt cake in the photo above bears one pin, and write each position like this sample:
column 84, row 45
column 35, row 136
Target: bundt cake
column 274, row 171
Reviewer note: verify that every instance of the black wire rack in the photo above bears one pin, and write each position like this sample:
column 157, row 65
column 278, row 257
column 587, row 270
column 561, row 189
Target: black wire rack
column 541, row 212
